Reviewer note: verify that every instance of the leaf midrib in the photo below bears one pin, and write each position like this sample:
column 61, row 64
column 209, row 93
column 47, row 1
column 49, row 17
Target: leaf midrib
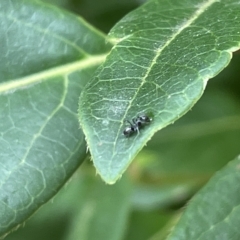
column 14, row 84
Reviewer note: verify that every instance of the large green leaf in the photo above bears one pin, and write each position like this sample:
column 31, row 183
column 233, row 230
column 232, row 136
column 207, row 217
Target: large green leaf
column 165, row 52
column 214, row 212
column 46, row 57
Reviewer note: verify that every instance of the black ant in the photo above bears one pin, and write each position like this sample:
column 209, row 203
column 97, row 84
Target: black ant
column 137, row 123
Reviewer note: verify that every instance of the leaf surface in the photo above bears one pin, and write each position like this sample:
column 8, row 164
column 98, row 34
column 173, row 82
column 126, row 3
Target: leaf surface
column 214, row 212
column 46, row 57
column 165, row 52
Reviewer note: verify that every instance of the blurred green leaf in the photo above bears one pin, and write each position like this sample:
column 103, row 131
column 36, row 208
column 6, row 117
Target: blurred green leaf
column 142, row 225
column 164, row 231
column 103, row 14
column 104, row 212
column 159, row 66
column 200, row 143
column 147, row 197
column 84, row 208
column 214, row 212
column 47, row 56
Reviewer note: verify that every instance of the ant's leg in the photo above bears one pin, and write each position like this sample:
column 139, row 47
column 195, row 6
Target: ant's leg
column 134, row 125
column 130, row 123
column 137, row 128
column 137, row 124
column 134, row 120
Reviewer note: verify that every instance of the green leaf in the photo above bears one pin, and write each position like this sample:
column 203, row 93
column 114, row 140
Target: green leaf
column 165, row 52
column 103, row 206
column 85, row 208
column 201, row 142
column 102, row 14
column 214, row 212
column 46, row 57
column 142, row 225
column 147, row 197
